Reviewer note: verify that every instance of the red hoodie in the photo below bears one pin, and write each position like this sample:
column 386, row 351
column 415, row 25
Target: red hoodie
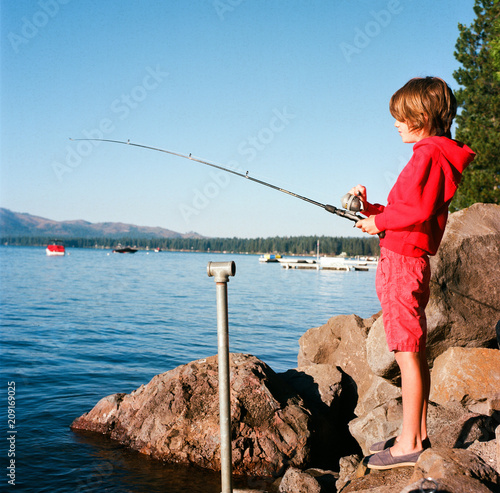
column 417, row 206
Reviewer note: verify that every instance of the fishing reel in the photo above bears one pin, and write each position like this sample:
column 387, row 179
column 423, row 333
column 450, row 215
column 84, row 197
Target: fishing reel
column 354, row 204
column 351, row 202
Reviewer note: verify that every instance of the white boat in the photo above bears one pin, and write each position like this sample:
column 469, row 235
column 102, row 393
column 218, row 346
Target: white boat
column 269, row 257
column 335, row 263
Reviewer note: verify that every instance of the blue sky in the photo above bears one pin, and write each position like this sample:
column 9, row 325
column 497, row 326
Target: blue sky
column 296, row 92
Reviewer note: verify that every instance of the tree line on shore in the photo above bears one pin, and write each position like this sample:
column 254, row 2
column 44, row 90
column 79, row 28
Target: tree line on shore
column 290, row 245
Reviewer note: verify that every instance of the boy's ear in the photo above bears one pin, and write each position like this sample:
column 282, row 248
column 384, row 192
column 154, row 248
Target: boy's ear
column 427, row 124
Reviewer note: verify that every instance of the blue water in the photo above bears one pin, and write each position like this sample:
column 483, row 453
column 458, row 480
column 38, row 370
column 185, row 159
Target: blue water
column 90, row 324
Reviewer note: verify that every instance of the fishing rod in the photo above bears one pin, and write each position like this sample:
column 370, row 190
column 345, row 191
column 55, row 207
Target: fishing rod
column 350, row 204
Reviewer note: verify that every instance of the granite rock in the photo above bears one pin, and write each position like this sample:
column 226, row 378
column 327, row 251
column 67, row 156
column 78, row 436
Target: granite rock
column 175, row 418
column 464, row 306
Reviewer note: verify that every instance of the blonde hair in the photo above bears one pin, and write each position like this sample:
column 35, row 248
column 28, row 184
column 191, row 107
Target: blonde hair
column 425, row 102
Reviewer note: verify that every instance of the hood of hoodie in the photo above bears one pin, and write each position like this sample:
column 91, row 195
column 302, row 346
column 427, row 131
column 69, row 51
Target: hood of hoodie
column 454, row 158
column 458, row 155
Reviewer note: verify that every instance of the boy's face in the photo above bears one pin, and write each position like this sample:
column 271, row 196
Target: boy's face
column 410, row 136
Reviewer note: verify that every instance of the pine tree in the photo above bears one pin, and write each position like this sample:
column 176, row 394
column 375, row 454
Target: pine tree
column 478, row 123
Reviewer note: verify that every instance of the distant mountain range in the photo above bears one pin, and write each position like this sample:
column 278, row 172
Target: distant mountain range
column 23, row 224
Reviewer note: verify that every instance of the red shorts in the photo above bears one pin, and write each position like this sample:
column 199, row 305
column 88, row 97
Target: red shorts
column 402, row 284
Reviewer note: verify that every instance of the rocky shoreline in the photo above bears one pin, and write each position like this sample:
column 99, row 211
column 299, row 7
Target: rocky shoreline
column 310, row 427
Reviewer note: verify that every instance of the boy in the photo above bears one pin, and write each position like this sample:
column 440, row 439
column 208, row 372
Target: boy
column 414, row 221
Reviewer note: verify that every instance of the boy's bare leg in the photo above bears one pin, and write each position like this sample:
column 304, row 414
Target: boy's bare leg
column 426, row 378
column 415, row 388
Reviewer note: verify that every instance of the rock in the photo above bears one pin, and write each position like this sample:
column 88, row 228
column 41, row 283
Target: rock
column 175, row 418
column 318, row 345
column 448, row 426
column 348, row 466
column 379, row 424
column 341, row 342
column 102, row 417
column 309, row 481
column 391, row 481
column 450, row 465
column 454, row 426
column 487, row 451
column 382, row 361
column 457, row 484
column 379, row 392
column 465, row 291
column 497, row 439
column 318, row 384
column 320, row 388
column 248, row 491
column 451, row 470
column 488, row 405
column 466, row 375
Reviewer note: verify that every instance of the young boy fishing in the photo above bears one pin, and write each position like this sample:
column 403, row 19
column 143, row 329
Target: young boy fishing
column 413, row 220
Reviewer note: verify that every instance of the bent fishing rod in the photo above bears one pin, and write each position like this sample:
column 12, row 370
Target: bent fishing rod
column 349, row 203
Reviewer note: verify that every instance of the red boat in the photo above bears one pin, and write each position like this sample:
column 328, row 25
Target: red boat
column 55, row 250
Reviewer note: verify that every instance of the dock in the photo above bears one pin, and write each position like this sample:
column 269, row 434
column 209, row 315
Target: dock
column 329, row 263
column 299, row 264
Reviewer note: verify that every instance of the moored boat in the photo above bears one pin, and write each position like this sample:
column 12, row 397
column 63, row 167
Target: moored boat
column 55, row 250
column 270, row 257
column 125, row 250
column 334, row 263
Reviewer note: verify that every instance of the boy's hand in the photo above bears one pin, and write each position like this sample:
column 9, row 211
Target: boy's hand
column 359, row 191
column 368, row 226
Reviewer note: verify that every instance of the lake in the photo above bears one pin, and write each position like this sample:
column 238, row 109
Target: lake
column 93, row 323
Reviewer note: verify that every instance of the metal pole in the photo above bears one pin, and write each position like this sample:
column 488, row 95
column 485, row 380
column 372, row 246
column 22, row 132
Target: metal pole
column 221, row 272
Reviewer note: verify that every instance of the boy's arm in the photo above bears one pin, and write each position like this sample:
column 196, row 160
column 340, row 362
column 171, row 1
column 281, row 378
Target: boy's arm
column 372, row 209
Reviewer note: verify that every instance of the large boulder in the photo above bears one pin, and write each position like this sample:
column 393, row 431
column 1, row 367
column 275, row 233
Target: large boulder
column 341, row 342
column 439, row 469
column 175, row 417
column 459, row 470
column 321, row 388
column 308, row 481
column 382, row 361
column 464, row 306
column 319, row 385
column 380, row 423
column 468, row 376
column 451, row 426
column 357, row 347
